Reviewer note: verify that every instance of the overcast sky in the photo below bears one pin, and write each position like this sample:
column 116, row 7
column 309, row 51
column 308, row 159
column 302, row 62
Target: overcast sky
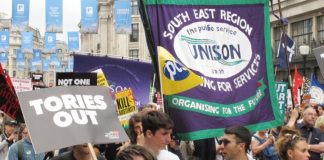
column 71, row 15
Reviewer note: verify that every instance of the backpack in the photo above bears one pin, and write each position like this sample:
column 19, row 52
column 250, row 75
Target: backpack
column 268, row 153
column 20, row 149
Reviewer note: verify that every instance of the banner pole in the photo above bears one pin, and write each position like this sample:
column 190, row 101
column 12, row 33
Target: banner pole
column 93, row 154
column 161, row 86
column 286, row 54
column 152, row 89
column 275, row 74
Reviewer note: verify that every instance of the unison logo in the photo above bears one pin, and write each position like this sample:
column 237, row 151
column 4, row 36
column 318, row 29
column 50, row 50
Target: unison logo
column 206, row 49
column 174, row 71
column 217, row 50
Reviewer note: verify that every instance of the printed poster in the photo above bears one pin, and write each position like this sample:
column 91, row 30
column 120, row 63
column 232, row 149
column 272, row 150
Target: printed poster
column 73, row 41
column 101, row 78
column 126, row 106
column 4, row 41
column 281, row 89
column 76, row 79
column 50, row 42
column 20, row 15
column 27, row 42
column 20, row 60
column 54, row 16
column 123, row 16
column 85, row 113
column 22, row 85
column 89, row 16
column 4, row 58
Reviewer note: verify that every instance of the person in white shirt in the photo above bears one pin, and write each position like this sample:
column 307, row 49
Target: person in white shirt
column 157, row 129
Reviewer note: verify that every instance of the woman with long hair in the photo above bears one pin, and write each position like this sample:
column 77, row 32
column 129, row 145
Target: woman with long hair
column 291, row 146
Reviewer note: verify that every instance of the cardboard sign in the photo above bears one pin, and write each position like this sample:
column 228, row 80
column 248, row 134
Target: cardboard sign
column 125, row 106
column 70, row 115
column 101, row 78
column 22, row 85
column 37, row 77
column 125, row 102
column 76, row 79
column 281, row 89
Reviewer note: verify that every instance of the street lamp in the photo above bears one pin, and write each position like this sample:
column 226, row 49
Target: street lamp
column 304, row 51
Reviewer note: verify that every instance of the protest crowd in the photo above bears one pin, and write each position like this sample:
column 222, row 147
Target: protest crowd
column 151, row 138
column 209, row 92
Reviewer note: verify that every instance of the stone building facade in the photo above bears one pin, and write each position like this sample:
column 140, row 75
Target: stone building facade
column 305, row 27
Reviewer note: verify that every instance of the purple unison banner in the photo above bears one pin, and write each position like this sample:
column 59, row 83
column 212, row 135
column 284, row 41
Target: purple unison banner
column 215, row 64
column 121, row 74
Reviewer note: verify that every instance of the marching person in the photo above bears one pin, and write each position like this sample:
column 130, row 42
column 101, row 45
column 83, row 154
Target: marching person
column 7, row 138
column 23, row 149
column 291, row 146
column 157, row 129
column 135, row 152
column 262, row 146
column 78, row 152
column 313, row 136
column 236, row 143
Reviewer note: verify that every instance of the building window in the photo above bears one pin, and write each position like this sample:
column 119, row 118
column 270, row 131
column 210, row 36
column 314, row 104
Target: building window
column 58, row 50
column 302, row 32
column 134, row 35
column 276, row 37
column 320, row 26
column 98, row 47
column 135, row 8
column 133, row 53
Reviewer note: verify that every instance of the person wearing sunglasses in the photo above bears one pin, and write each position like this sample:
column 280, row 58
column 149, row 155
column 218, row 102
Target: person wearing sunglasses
column 235, row 143
column 291, row 146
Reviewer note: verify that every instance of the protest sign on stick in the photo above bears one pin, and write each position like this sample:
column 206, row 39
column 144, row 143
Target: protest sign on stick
column 85, row 113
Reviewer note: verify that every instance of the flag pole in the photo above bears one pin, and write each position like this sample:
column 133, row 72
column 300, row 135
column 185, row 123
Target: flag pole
column 162, row 107
column 276, row 68
column 286, row 54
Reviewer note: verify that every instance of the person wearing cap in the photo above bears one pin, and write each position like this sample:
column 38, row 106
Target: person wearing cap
column 7, row 138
